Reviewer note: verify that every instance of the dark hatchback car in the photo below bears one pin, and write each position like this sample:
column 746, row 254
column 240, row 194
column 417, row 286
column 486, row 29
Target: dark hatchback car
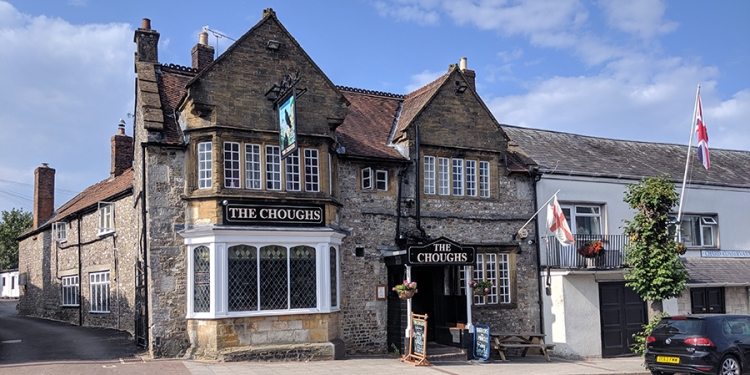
column 700, row 344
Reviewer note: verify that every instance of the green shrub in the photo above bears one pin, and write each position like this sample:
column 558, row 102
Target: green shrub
column 639, row 346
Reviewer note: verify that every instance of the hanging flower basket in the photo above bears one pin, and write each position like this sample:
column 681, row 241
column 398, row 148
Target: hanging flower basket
column 406, row 289
column 591, row 249
column 481, row 288
column 481, row 292
column 406, row 294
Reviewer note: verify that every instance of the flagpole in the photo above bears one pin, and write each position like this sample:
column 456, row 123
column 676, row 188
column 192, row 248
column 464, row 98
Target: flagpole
column 687, row 165
column 538, row 211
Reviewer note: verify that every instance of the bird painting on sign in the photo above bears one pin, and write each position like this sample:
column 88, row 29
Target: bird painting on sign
column 288, row 126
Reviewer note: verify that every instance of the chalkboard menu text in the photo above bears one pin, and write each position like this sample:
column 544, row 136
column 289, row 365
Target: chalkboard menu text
column 482, row 341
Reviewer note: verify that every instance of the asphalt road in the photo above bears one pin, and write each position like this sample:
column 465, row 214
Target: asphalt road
column 40, row 346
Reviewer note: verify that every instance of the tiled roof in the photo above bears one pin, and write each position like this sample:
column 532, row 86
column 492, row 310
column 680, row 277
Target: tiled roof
column 101, row 191
column 415, row 101
column 718, row 270
column 573, row 154
column 172, row 81
column 366, row 128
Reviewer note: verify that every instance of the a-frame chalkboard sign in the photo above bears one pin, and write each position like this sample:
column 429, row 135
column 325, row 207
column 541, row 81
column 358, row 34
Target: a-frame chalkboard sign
column 482, row 341
column 418, row 341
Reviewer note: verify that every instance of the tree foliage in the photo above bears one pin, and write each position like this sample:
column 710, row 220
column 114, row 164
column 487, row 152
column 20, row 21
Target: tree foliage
column 13, row 224
column 657, row 272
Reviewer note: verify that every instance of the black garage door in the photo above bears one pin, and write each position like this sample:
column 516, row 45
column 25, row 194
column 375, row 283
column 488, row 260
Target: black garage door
column 623, row 312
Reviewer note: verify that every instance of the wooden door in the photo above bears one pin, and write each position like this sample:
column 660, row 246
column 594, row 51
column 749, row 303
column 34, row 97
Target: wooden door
column 622, row 313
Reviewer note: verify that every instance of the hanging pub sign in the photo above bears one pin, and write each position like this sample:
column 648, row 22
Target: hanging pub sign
column 441, row 252
column 288, row 125
column 237, row 213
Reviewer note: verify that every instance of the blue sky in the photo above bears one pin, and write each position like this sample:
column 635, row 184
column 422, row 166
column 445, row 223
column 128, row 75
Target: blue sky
column 619, row 69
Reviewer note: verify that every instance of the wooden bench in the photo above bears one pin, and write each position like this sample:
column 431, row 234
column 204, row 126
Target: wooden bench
column 524, row 340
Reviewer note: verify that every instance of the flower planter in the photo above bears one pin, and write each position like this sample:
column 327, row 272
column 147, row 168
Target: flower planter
column 480, row 292
column 406, row 294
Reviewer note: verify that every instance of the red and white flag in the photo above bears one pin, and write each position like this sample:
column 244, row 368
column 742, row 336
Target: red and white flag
column 557, row 224
column 700, row 128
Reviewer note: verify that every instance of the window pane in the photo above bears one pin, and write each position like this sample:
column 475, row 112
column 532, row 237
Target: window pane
column 366, row 178
column 311, row 170
column 708, row 236
column 242, row 278
column 484, row 179
column 274, row 280
column 292, row 171
column 458, row 177
column 334, row 269
column 204, row 165
column 381, row 180
column 479, row 275
column 252, row 167
column 503, row 278
column 471, row 178
column 99, row 283
column 303, row 283
column 490, row 274
column 231, row 164
column 201, row 279
column 429, row 175
column 443, row 177
column 273, row 168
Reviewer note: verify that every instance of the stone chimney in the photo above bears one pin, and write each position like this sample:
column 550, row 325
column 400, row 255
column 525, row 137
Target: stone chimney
column 44, row 194
column 469, row 74
column 203, row 54
column 122, row 151
column 146, row 41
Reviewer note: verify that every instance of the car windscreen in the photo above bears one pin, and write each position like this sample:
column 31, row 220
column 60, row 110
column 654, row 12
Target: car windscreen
column 682, row 326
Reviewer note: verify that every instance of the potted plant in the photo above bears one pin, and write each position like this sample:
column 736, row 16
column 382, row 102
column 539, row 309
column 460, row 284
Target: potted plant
column 481, row 288
column 406, row 289
column 591, row 249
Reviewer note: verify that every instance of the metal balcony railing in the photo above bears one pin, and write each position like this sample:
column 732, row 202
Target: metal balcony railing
column 613, row 255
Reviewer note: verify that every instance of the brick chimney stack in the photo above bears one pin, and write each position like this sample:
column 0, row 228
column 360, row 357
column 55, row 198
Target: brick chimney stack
column 122, row 151
column 147, row 42
column 469, row 74
column 202, row 53
column 44, row 194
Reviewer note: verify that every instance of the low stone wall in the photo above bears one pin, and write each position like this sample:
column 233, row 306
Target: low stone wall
column 285, row 337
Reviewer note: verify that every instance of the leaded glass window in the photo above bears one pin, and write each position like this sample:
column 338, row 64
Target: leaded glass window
column 274, row 280
column 334, row 269
column 201, row 279
column 243, row 278
column 302, row 275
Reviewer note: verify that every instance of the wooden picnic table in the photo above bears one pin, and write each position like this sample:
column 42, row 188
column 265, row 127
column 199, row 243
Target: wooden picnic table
column 525, row 340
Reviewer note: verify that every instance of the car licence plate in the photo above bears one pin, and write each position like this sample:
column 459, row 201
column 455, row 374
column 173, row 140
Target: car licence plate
column 667, row 359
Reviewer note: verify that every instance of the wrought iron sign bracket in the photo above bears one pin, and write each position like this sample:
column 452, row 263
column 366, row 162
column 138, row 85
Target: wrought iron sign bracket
column 280, row 90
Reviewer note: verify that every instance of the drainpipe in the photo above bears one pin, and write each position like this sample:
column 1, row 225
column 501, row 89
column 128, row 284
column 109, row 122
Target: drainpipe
column 80, row 276
column 536, row 176
column 418, row 184
column 398, row 206
column 117, row 276
column 144, row 240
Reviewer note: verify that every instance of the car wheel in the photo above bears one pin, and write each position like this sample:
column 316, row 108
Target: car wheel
column 729, row 366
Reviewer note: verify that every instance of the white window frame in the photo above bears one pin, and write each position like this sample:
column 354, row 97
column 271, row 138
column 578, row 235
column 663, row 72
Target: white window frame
column 99, row 288
column 219, row 244
column 429, row 175
column 366, row 178
column 70, row 290
column 381, row 180
column 312, row 170
column 232, row 172
column 484, row 179
column 444, row 177
column 60, row 231
column 494, row 267
column 471, row 178
column 574, row 216
column 205, row 162
column 457, row 168
column 253, row 167
column 705, row 223
column 106, row 218
column 273, row 168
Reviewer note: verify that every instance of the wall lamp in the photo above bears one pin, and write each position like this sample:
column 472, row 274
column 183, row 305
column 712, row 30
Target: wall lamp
column 460, row 89
column 273, row 44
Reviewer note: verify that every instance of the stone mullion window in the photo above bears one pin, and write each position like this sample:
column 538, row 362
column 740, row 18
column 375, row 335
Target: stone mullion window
column 273, row 168
column 312, row 177
column 429, row 175
column 253, row 167
column 484, row 179
column 443, row 176
column 231, row 164
column 471, row 178
column 204, row 165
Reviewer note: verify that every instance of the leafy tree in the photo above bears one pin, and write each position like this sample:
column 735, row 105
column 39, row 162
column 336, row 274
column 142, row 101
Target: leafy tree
column 13, row 224
column 657, row 272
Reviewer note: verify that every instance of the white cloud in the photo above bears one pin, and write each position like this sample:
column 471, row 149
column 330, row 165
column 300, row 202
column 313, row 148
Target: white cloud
column 71, row 84
column 420, row 79
column 642, row 18
column 527, row 17
column 419, row 11
column 508, row 56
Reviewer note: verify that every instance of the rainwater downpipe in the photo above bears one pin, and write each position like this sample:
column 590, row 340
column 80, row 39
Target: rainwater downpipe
column 418, row 184
column 117, row 276
column 398, row 205
column 144, row 241
column 80, row 276
column 536, row 176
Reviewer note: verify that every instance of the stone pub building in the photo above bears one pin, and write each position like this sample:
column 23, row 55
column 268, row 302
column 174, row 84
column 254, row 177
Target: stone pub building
column 274, row 211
